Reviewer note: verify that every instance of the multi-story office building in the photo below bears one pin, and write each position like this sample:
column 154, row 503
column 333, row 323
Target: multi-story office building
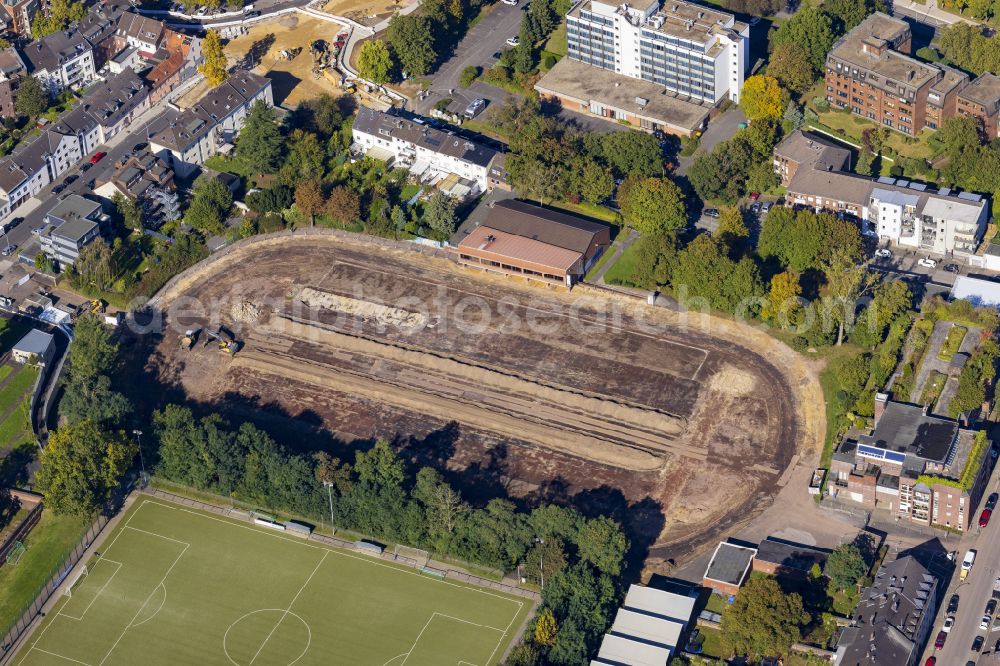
column 663, row 66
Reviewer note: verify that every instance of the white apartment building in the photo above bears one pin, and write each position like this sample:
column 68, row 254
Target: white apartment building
column 938, row 223
column 428, row 153
column 192, row 136
column 64, row 59
column 691, row 50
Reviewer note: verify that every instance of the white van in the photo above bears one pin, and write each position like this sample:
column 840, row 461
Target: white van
column 970, row 557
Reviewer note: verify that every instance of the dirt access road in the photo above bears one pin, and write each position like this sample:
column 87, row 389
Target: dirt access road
column 677, row 428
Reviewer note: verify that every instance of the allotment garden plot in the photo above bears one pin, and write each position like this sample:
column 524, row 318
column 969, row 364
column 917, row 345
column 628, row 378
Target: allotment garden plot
column 176, row 586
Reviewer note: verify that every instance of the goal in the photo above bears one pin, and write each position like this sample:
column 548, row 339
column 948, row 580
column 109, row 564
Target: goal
column 73, row 580
column 17, row 551
column 417, row 556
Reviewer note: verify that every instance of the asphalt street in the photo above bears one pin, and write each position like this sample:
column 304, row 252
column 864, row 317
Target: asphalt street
column 477, row 49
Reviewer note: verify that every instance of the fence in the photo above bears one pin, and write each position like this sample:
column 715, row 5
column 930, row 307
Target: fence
column 450, row 574
column 45, row 591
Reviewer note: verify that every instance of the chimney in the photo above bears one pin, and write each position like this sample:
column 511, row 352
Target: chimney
column 880, row 401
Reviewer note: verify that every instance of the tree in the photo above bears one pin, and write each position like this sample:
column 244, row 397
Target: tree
column 793, row 116
column 215, row 66
column 847, row 281
column 789, row 63
column 593, row 182
column 705, row 270
column 93, row 399
column 32, row 99
column 93, row 351
column 522, row 56
column 811, row 29
column 546, row 629
column 652, row 205
column 601, row 542
column 259, row 143
column 81, row 466
column 866, row 162
column 309, row 199
column 732, row 228
column 536, row 178
column 210, row 205
column 374, row 61
column 61, row 13
column 655, row 260
column 305, row 158
column 468, row 76
column 845, row 566
column 412, row 40
column 94, row 265
column 343, row 206
column 130, row 211
column 762, row 98
column 847, row 14
column 632, row 153
column 763, row 620
column 783, row 302
column 439, row 215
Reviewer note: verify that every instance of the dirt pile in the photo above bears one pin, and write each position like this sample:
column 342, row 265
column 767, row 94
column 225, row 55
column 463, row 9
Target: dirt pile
column 245, row 311
column 382, row 315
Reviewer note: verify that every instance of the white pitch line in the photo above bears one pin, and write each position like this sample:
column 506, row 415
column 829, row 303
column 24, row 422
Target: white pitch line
column 60, row 656
column 289, row 608
column 99, row 592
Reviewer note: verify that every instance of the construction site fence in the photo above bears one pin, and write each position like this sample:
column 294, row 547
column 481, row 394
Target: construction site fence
column 449, row 573
column 51, row 585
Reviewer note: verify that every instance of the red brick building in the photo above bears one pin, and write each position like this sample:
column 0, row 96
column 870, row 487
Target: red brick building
column 981, row 100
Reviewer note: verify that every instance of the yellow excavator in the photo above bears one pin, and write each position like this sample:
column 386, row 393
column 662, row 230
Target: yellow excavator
column 98, row 306
column 224, row 338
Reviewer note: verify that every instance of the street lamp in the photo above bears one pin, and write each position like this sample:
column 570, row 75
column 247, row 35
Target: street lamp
column 142, row 462
column 541, row 562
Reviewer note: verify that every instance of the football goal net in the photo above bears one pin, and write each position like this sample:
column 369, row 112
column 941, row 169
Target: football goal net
column 74, row 579
column 17, row 551
column 419, row 557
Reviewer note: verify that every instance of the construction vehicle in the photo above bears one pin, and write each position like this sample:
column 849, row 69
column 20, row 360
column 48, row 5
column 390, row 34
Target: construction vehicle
column 98, row 306
column 189, row 338
column 224, row 338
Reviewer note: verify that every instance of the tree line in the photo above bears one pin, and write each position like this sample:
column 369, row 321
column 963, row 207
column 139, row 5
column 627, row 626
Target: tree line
column 378, row 494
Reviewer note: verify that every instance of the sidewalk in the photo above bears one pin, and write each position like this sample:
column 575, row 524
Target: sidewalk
column 930, row 14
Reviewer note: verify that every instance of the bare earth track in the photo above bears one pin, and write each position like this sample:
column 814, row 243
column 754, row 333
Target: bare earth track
column 578, row 397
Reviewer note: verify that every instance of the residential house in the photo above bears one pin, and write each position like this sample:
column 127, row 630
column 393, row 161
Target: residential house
column 190, row 137
column 918, row 466
column 893, row 620
column 902, row 212
column 12, row 71
column 17, row 15
column 74, row 223
column 64, row 59
column 981, row 100
column 784, row 559
column 438, row 158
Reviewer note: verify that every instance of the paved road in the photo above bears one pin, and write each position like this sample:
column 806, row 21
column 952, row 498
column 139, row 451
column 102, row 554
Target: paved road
column 719, row 129
column 477, row 49
column 974, row 592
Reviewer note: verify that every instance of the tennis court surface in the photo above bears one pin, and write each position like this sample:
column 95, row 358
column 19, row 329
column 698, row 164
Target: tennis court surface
column 177, row 586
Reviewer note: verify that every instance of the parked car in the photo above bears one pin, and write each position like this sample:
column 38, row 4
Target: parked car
column 85, row 166
column 97, row 157
column 767, row 206
column 754, row 196
column 967, row 562
column 11, row 223
column 71, row 179
column 513, row 41
column 984, row 518
column 953, row 604
column 755, row 208
column 512, row 3
column 941, row 638
column 931, row 661
column 8, row 250
column 991, row 607
column 254, row 14
column 984, row 623
column 58, row 188
column 951, row 268
column 475, row 107
column 991, row 501
column 977, row 644
column 754, row 20
column 949, row 622
column 883, row 253
column 927, row 262
column 711, row 212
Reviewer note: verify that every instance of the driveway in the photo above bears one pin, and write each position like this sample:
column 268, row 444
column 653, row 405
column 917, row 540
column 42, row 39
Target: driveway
column 476, row 49
column 719, row 129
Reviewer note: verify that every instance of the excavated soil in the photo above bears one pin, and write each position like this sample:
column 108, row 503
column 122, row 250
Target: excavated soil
column 680, row 428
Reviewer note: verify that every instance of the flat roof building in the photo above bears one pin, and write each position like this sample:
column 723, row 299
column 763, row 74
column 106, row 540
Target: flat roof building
column 728, row 568
column 37, row 345
column 519, row 238
column 777, row 557
column 648, row 628
column 981, row 100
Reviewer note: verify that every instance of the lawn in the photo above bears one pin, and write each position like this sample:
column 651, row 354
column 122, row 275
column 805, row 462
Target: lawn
column 48, row 544
column 556, row 43
column 15, row 397
column 952, row 343
column 621, row 271
column 172, row 585
column 932, row 388
column 590, row 210
column 852, row 126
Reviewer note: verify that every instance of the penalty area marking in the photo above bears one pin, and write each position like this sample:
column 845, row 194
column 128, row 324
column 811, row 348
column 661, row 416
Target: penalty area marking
column 413, row 647
column 99, row 592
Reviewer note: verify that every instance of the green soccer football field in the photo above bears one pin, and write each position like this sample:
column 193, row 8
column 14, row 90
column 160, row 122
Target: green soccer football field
column 175, row 586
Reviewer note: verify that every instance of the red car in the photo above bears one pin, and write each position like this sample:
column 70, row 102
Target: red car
column 930, row 661
column 984, row 517
column 939, row 641
column 754, row 196
column 97, row 157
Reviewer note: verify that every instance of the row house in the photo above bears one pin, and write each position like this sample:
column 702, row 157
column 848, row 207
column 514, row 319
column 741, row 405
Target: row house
column 430, row 154
column 17, row 15
column 981, row 100
column 187, row 138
